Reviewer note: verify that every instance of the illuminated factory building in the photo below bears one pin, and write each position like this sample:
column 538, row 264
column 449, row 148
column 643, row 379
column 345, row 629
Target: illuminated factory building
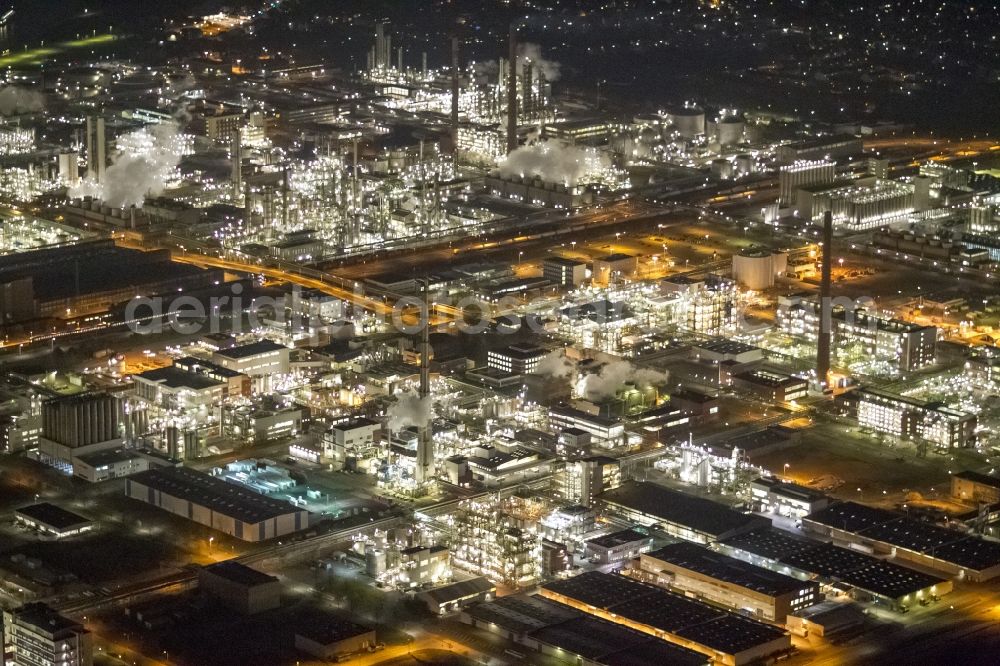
column 858, row 205
column 941, row 426
column 36, row 634
column 905, row 345
column 803, row 174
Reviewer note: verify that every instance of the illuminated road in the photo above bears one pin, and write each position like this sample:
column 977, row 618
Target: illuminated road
column 284, row 275
column 408, row 314
column 539, row 231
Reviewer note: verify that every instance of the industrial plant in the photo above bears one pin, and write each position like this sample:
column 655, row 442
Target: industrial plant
column 498, row 333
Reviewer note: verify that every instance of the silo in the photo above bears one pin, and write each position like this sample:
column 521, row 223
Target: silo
column 745, row 164
column 375, row 562
column 69, row 167
column 756, row 269
column 722, row 168
column 689, row 121
column 729, row 130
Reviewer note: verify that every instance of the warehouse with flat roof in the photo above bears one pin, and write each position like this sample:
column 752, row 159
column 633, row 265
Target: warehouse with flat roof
column 866, row 578
column 618, row 546
column 223, row 506
column 329, row 637
column 53, row 520
column 949, row 552
column 681, row 515
column 556, row 629
column 239, row 587
column 726, row 581
column 723, row 637
column 594, row 640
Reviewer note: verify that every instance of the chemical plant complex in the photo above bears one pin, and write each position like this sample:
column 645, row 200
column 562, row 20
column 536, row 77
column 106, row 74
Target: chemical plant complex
column 380, row 336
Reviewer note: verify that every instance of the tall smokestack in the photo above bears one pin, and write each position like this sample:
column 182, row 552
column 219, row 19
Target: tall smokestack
column 284, row 200
column 425, row 343
column 236, row 151
column 825, row 304
column 512, row 91
column 246, row 203
column 454, row 92
column 379, row 45
column 527, row 103
column 90, row 148
column 425, row 447
column 96, row 148
column 102, row 149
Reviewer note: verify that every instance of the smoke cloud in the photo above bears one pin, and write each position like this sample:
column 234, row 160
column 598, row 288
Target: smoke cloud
column 555, row 162
column 15, row 99
column 607, row 381
column 409, row 410
column 486, row 68
column 142, row 165
column 528, row 52
column 556, row 365
column 175, row 87
column 174, row 92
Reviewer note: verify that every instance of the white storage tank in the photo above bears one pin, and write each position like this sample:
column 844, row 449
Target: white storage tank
column 69, row 167
column 745, row 164
column 756, row 268
column 689, row 121
column 729, row 130
column 375, row 562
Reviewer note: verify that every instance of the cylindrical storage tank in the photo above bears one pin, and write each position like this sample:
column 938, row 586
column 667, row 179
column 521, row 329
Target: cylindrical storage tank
column 69, row 167
column 729, row 131
column 375, row 562
column 689, row 121
column 722, row 168
column 754, row 269
column 779, row 263
column 745, row 164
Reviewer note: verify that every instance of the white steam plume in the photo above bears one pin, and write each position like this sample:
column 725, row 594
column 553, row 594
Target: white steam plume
column 555, row 365
column 409, row 410
column 15, row 99
column 142, row 164
column 528, row 52
column 486, row 68
column 175, row 87
column 606, row 382
column 555, row 162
